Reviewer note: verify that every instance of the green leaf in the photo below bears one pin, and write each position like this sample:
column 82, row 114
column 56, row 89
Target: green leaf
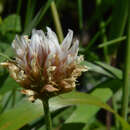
column 25, row 112
column 8, row 85
column 11, row 23
column 77, row 98
column 96, row 68
column 84, row 113
column 20, row 115
column 115, row 71
column 114, row 85
column 9, row 52
column 74, row 126
column 3, row 46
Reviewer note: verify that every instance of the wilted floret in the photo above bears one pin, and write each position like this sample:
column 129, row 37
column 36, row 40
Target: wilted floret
column 43, row 67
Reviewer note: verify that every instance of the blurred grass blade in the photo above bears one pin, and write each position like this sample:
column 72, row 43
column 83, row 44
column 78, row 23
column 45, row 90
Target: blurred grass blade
column 115, row 71
column 96, row 36
column 57, row 21
column 112, row 42
column 104, row 39
column 38, row 17
column 90, row 44
column 80, row 13
column 126, row 75
column 19, row 6
column 29, row 12
column 119, row 19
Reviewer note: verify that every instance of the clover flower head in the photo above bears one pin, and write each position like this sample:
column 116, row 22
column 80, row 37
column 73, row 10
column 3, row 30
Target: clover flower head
column 43, row 67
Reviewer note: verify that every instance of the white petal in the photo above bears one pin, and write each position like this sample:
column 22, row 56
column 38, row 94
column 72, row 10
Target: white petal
column 44, row 41
column 24, row 42
column 35, row 41
column 69, row 59
column 17, row 45
column 67, row 41
column 53, row 38
column 74, row 49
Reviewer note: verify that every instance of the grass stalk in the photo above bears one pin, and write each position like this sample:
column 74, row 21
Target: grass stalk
column 47, row 114
column 117, row 40
column 104, row 39
column 29, row 12
column 19, row 5
column 114, row 104
column 57, row 21
column 37, row 19
column 96, row 36
column 126, row 76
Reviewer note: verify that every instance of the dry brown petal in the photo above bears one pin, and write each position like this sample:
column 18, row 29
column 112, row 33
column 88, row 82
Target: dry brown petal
column 66, row 87
column 49, row 88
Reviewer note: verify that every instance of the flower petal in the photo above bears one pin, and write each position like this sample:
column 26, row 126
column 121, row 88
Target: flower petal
column 74, row 49
column 17, row 46
column 52, row 38
column 67, row 41
column 35, row 41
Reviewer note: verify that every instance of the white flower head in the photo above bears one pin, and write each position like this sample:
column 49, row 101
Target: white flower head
column 45, row 66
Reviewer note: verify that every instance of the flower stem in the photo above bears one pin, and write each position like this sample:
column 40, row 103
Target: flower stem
column 126, row 77
column 57, row 21
column 47, row 114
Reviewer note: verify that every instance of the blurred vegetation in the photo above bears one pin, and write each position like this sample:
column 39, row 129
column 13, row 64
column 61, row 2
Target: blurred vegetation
column 103, row 29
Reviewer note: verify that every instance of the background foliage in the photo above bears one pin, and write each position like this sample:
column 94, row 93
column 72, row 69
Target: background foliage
column 103, row 28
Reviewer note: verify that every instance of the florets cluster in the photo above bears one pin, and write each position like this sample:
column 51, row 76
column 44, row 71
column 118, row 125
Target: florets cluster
column 43, row 67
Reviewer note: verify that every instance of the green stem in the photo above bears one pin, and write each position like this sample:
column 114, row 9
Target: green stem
column 57, row 21
column 126, row 76
column 47, row 114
